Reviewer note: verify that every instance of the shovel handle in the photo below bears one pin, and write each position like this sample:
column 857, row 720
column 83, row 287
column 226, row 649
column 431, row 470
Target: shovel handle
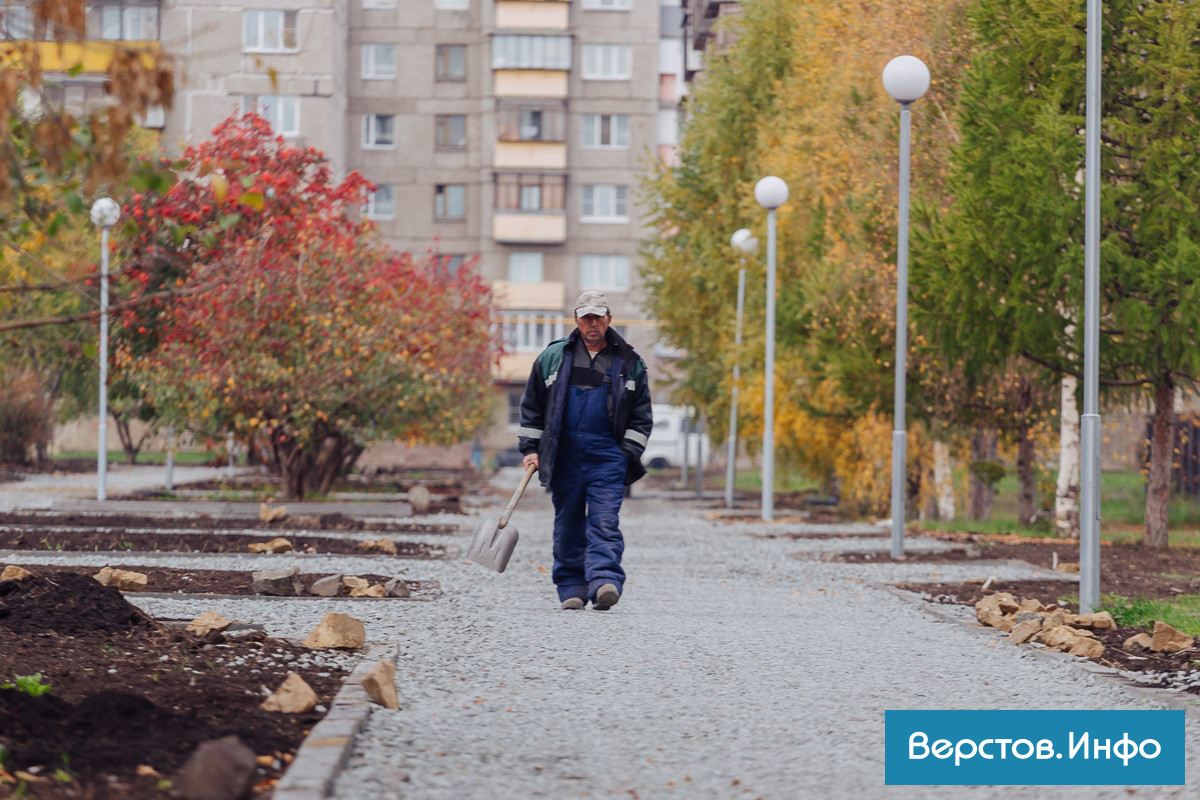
column 512, row 504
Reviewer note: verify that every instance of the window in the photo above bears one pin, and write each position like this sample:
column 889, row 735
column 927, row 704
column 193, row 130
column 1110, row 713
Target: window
column 605, row 201
column 514, row 407
column 526, row 122
column 531, row 52
column 525, row 267
column 129, row 23
column 605, row 130
column 381, row 203
column 608, row 5
column 268, row 31
column 73, row 94
column 451, row 131
column 450, row 263
column 378, row 3
column 607, row 62
column 604, row 272
column 450, row 201
column 451, row 62
column 529, row 192
column 379, row 131
column 17, row 21
column 530, row 331
column 281, row 110
column 452, row 5
column 378, row 61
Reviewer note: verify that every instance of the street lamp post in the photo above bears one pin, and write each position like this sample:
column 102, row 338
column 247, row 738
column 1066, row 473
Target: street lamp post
column 1089, row 422
column 105, row 213
column 746, row 243
column 770, row 192
column 906, row 79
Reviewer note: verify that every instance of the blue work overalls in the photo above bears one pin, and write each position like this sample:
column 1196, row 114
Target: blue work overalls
column 587, row 489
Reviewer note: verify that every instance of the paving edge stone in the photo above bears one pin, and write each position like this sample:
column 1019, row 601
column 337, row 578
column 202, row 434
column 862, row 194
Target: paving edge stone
column 328, row 745
column 1171, row 698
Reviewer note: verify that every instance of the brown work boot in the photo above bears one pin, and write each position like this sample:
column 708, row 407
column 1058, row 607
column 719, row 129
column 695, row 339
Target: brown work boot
column 606, row 597
column 573, row 604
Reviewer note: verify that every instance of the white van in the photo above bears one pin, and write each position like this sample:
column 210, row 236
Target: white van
column 665, row 449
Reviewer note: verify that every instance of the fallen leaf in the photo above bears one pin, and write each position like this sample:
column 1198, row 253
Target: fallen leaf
column 147, row 771
column 542, row 569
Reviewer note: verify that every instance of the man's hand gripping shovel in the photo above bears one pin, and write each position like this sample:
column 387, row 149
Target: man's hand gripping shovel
column 493, row 542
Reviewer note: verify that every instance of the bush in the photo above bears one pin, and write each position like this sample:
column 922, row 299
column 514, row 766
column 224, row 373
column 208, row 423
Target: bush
column 25, row 418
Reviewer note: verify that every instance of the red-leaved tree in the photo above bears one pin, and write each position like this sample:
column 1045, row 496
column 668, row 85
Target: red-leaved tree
column 295, row 326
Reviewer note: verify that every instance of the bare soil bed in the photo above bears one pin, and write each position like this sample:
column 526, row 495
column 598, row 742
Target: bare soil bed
column 35, row 537
column 1062, row 593
column 221, row 582
column 130, row 698
column 1131, row 571
column 294, row 522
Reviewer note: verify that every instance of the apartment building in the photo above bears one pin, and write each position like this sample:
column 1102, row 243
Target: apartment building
column 508, row 136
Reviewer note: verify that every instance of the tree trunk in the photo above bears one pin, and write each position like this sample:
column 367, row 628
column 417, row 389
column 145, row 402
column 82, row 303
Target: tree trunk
column 303, row 472
column 1158, row 485
column 1027, row 495
column 1066, row 491
column 983, row 463
column 125, row 434
column 943, row 483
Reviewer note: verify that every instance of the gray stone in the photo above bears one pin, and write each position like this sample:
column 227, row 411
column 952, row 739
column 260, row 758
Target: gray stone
column 397, row 587
column 219, row 769
column 277, row 582
column 420, row 498
column 329, row 586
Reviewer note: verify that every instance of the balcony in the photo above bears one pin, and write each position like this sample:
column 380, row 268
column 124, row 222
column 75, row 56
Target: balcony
column 522, row 227
column 532, row 14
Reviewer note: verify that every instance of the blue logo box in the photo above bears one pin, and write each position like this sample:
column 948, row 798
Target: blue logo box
column 1034, row 748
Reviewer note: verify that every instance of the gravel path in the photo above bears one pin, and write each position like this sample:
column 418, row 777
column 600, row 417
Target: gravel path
column 732, row 668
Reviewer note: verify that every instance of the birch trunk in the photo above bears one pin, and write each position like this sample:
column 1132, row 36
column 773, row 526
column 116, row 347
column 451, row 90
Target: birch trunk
column 943, row 483
column 1066, row 492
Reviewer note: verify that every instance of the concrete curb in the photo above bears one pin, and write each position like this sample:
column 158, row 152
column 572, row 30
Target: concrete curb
column 1171, row 698
column 328, row 745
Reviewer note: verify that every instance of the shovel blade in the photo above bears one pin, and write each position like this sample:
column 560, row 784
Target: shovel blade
column 491, row 546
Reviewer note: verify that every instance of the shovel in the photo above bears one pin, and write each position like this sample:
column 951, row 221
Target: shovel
column 493, row 542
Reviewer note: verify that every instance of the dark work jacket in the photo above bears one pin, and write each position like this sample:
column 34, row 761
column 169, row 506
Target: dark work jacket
column 546, row 397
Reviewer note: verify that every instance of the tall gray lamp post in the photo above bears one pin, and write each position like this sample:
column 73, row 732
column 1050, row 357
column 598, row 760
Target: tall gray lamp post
column 105, row 213
column 770, row 192
column 906, row 79
column 745, row 242
column 1089, row 422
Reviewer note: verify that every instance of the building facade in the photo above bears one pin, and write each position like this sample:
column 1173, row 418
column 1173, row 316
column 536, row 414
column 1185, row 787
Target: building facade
column 507, row 136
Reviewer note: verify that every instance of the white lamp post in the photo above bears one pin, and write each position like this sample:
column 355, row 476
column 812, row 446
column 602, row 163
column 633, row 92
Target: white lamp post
column 746, row 243
column 770, row 192
column 906, row 79
column 105, row 213
column 1089, row 422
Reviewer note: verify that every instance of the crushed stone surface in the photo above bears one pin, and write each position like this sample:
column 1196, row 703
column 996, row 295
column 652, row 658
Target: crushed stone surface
column 734, row 666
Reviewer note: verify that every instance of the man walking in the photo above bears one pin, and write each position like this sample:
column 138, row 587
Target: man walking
column 585, row 420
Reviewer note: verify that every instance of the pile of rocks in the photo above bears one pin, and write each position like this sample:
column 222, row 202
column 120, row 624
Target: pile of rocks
column 286, row 583
column 1030, row 620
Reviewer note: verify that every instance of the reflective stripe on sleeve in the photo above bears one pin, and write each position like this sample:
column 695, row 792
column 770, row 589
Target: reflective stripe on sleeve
column 637, row 438
column 630, row 386
column 529, row 433
column 550, row 381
